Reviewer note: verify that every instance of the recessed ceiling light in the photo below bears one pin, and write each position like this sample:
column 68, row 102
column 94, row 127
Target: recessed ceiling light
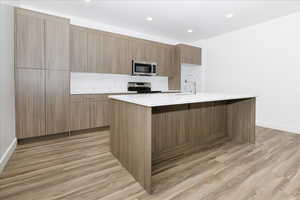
column 190, row 31
column 229, row 15
column 149, row 19
column 88, row 1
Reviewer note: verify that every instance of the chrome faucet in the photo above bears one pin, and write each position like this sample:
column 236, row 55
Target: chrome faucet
column 194, row 87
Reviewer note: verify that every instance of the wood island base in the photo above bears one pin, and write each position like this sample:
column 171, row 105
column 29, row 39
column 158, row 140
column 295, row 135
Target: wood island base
column 145, row 136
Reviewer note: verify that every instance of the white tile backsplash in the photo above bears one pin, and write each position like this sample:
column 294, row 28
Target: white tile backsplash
column 82, row 83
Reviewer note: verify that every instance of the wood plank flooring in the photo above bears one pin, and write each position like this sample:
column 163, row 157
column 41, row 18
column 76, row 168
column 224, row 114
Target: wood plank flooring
column 81, row 167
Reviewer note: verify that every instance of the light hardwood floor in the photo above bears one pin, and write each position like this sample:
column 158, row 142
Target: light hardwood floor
column 81, row 167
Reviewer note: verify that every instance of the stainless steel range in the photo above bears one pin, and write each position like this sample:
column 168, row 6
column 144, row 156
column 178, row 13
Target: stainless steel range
column 141, row 87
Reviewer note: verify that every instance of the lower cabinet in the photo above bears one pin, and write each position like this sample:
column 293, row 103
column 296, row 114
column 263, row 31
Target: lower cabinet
column 107, row 112
column 30, row 103
column 99, row 113
column 87, row 112
column 80, row 115
column 57, row 101
column 42, row 102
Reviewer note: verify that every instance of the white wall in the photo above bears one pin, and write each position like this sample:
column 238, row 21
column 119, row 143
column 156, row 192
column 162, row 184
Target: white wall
column 265, row 60
column 7, row 93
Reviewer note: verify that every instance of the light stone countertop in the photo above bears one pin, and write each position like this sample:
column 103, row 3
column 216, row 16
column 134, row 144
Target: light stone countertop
column 154, row 100
column 97, row 92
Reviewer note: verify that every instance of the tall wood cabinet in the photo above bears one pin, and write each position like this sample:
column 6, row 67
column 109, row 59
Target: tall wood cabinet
column 57, row 82
column 30, row 102
column 42, row 74
column 57, row 43
column 57, row 101
column 29, row 39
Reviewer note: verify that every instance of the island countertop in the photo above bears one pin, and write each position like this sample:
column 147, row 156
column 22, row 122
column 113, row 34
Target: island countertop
column 154, row 100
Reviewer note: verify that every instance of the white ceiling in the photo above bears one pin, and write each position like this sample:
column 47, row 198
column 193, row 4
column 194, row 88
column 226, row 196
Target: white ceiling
column 172, row 19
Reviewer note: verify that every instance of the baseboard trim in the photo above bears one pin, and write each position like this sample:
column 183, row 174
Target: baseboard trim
column 280, row 128
column 8, row 153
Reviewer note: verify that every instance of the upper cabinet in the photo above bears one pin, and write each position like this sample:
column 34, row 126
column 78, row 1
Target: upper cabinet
column 143, row 50
column 98, row 52
column 151, row 49
column 29, row 39
column 42, row 41
column 116, row 54
column 78, row 49
column 190, row 54
column 57, row 43
column 137, row 50
column 175, row 73
column 169, row 65
column 95, row 52
column 162, row 54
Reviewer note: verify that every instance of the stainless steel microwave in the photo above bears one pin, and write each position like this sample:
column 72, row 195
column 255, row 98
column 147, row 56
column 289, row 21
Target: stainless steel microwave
column 144, row 68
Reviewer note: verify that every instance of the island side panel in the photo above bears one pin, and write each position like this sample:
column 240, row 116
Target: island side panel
column 180, row 130
column 131, row 140
column 170, row 132
column 208, row 122
column 241, row 120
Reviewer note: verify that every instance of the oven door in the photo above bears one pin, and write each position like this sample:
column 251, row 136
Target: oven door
column 141, row 68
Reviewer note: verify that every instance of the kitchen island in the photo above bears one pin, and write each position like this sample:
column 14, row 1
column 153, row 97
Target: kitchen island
column 148, row 129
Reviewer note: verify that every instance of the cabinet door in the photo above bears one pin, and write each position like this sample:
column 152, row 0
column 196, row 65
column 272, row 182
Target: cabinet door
column 107, row 112
column 171, row 62
column 30, row 103
column 175, row 70
column 94, row 62
column 137, row 50
column 115, row 54
column 57, row 101
column 151, row 52
column 57, row 44
column 78, row 49
column 190, row 54
column 160, row 53
column 80, row 115
column 165, row 58
column 29, row 40
column 174, row 82
column 197, row 56
column 97, row 109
